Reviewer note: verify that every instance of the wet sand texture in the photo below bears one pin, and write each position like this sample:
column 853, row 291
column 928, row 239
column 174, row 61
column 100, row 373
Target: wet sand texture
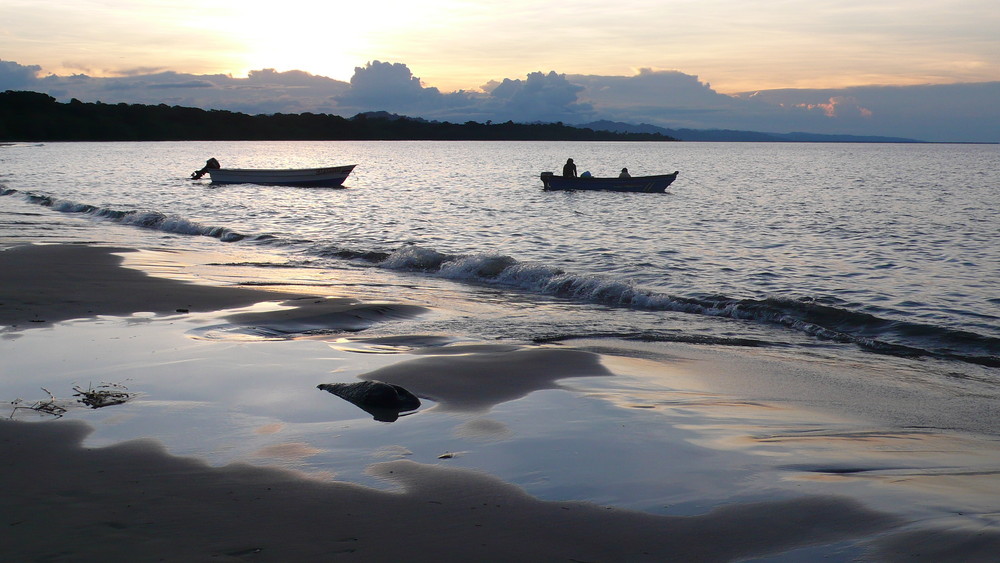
column 50, row 283
column 133, row 501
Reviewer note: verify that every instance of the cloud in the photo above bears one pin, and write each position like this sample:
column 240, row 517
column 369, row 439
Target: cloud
column 666, row 98
column 388, row 86
column 934, row 112
column 263, row 91
column 392, row 87
column 649, row 87
column 185, row 84
column 540, row 97
column 18, row 77
column 138, row 71
column 375, row 78
column 269, row 76
column 384, row 86
column 839, row 106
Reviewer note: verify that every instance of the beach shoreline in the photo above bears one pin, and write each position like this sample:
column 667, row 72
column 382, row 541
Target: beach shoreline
column 44, row 284
column 136, row 499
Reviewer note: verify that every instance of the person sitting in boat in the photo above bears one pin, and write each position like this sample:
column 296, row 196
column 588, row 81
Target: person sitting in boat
column 586, row 174
column 210, row 164
column 569, row 169
column 624, row 173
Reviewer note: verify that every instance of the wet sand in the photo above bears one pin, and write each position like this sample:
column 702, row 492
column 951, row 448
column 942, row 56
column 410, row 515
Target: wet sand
column 51, row 283
column 136, row 501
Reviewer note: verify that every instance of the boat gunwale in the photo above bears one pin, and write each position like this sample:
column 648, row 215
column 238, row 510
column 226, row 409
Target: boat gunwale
column 265, row 171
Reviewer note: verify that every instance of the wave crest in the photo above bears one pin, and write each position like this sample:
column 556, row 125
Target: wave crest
column 144, row 219
column 823, row 321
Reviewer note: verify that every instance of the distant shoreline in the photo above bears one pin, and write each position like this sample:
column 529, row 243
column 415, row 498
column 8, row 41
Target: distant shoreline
column 31, row 116
column 36, row 117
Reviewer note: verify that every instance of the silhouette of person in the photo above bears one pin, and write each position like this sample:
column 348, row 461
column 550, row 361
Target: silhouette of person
column 624, row 173
column 569, row 169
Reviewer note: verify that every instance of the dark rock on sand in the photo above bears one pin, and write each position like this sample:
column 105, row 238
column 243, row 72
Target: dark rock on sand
column 383, row 401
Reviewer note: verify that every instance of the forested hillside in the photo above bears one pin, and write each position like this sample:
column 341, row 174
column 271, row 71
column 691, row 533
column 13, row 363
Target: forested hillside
column 32, row 116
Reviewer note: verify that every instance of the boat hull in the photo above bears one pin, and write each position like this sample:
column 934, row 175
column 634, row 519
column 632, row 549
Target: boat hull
column 318, row 177
column 640, row 184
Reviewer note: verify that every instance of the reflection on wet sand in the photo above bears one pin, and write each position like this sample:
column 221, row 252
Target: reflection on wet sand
column 226, row 401
column 307, row 317
column 483, row 430
column 129, row 501
column 414, row 344
column 287, row 451
column 477, row 378
column 829, row 452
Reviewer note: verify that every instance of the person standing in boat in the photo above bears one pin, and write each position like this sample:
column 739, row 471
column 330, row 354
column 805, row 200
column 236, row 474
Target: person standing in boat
column 624, row 173
column 569, row 169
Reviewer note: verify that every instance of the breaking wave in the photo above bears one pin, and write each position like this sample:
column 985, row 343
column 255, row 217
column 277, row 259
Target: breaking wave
column 820, row 320
column 144, row 219
column 827, row 322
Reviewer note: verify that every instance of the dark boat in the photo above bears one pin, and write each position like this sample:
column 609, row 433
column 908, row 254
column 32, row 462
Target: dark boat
column 642, row 184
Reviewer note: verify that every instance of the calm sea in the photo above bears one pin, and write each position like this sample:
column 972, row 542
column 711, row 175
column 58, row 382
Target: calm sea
column 827, row 250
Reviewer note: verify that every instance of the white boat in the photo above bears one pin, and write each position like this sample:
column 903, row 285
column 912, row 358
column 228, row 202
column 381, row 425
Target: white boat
column 330, row 177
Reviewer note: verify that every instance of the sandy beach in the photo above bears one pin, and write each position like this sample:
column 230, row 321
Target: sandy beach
column 52, row 283
column 581, row 451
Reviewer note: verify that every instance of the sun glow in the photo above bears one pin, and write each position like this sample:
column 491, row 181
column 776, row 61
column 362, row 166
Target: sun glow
column 453, row 44
column 326, row 40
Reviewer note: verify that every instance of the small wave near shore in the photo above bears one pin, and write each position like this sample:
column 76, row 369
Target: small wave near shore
column 825, row 318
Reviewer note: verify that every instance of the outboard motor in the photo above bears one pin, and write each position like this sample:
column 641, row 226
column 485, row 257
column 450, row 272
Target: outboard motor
column 210, row 164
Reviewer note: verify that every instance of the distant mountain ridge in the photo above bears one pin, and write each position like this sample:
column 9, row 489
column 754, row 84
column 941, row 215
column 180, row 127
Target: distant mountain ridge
column 719, row 135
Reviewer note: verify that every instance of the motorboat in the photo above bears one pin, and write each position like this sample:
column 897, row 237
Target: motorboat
column 329, row 177
column 643, row 184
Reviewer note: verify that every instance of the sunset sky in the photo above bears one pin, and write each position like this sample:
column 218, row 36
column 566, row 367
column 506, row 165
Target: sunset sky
column 450, row 44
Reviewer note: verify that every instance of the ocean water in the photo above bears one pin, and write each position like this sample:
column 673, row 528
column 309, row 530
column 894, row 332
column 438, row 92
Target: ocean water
column 845, row 297
column 817, row 249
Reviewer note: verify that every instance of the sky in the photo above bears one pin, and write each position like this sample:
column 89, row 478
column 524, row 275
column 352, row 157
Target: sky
column 728, row 47
column 734, row 45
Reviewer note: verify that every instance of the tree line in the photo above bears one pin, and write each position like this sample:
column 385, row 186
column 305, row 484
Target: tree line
column 33, row 116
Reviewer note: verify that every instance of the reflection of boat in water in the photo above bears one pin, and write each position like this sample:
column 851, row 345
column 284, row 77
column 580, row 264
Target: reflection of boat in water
column 384, row 401
column 642, row 184
column 329, row 177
